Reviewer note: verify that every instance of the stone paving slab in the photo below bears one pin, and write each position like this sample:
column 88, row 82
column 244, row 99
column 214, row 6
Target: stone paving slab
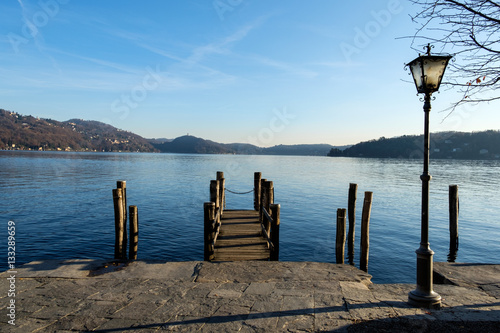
column 483, row 276
column 152, row 296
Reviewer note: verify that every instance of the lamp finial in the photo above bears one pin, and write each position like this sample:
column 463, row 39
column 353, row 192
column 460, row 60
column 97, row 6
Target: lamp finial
column 428, row 47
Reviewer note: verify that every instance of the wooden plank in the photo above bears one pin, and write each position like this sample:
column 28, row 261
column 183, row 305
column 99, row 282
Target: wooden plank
column 240, row 237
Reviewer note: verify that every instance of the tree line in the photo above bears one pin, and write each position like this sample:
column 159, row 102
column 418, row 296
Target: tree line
column 455, row 145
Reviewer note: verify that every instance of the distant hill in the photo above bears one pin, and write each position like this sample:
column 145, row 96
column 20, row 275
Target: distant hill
column 188, row 144
column 307, row 150
column 30, row 133
column 455, row 145
column 159, row 140
column 193, row 145
column 19, row 132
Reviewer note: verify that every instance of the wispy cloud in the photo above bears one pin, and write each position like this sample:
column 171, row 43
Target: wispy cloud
column 285, row 67
column 325, row 32
column 221, row 46
column 104, row 63
column 188, row 67
column 338, row 64
column 194, row 70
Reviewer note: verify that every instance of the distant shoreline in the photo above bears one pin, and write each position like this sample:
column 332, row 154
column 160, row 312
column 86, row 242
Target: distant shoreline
column 211, row 154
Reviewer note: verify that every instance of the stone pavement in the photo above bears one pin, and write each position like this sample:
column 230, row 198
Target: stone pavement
column 152, row 296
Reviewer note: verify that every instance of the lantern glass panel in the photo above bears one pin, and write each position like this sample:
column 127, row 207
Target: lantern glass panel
column 427, row 72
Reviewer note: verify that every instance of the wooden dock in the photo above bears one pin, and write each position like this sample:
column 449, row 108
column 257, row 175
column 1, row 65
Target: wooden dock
column 239, row 235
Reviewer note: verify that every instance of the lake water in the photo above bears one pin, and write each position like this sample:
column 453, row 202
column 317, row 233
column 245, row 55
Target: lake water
column 63, row 208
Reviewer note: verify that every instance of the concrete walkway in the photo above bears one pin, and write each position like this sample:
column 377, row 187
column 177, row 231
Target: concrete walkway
column 147, row 296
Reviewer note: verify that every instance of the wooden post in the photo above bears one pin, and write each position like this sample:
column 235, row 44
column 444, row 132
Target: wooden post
column 208, row 212
column 123, row 185
column 134, row 232
column 340, row 239
column 262, row 198
column 269, row 193
column 222, row 194
column 365, row 231
column 454, row 210
column 214, row 192
column 222, row 185
column 256, row 190
column 119, row 227
column 351, row 213
column 275, row 232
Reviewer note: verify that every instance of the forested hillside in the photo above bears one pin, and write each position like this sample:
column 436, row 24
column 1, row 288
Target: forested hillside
column 457, row 145
column 194, row 145
column 30, row 133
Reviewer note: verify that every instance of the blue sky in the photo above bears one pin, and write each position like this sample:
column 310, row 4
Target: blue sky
column 254, row 71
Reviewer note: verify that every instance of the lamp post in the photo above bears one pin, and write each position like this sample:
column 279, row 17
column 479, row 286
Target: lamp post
column 427, row 71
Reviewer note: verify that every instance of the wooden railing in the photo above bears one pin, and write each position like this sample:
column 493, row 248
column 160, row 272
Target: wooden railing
column 212, row 212
column 269, row 214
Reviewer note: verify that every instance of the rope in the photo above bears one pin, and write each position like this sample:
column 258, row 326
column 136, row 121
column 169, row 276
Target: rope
column 238, row 192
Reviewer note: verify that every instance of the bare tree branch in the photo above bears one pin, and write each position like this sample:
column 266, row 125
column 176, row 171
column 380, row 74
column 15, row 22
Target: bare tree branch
column 482, row 45
column 464, row 6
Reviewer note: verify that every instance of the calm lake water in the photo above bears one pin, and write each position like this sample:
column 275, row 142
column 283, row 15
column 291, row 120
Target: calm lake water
column 63, row 208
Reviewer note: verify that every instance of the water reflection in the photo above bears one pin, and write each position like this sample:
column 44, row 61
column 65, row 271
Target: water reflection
column 452, row 254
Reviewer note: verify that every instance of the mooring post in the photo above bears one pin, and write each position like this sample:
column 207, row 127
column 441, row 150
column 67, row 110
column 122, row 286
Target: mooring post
column 222, row 194
column 454, row 210
column 208, row 214
column 351, row 213
column 256, row 190
column 214, row 193
column 134, row 232
column 340, row 236
column 270, row 194
column 123, row 185
column 269, row 201
column 120, row 245
column 275, row 232
column 365, row 231
column 262, row 198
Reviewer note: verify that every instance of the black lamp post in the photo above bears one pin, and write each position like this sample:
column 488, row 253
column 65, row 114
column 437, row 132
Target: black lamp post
column 427, row 72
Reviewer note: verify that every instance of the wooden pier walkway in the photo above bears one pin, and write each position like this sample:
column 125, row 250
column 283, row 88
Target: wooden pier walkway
column 238, row 235
column 240, row 238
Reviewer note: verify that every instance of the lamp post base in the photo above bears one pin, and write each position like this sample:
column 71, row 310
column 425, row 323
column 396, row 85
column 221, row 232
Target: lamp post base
column 422, row 300
column 424, row 296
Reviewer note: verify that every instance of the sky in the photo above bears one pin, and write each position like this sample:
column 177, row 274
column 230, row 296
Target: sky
column 249, row 71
